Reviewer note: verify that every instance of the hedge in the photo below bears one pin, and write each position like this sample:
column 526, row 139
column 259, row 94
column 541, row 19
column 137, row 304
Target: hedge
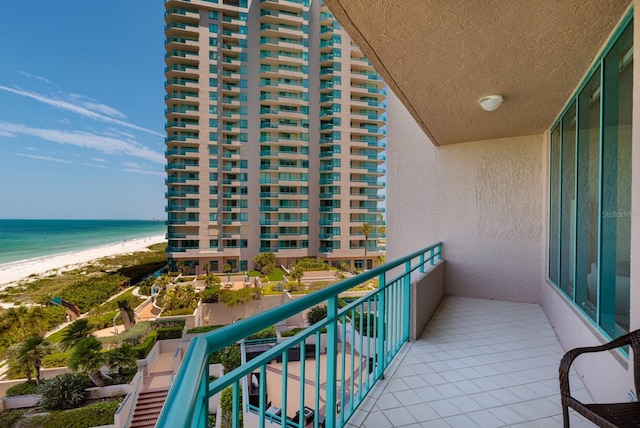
column 58, row 359
column 23, row 388
column 144, row 349
column 93, row 415
column 165, row 333
column 134, row 336
column 204, row 329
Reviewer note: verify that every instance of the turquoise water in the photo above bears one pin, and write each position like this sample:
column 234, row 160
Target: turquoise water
column 28, row 239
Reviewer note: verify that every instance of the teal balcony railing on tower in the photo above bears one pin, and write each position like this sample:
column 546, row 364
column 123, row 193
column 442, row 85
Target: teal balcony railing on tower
column 323, row 377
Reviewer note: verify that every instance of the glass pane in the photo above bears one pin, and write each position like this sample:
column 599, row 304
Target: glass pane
column 616, row 185
column 568, row 201
column 554, row 206
column 588, row 196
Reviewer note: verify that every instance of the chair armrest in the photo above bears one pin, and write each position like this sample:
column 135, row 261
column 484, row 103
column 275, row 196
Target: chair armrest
column 567, row 359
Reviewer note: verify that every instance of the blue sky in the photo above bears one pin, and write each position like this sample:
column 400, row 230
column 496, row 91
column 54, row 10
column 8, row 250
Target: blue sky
column 81, row 109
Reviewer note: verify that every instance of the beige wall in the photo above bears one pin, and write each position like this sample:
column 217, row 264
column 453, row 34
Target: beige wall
column 483, row 200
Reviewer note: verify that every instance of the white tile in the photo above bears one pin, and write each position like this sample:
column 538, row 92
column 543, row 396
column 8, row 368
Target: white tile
column 387, row 401
column 399, row 417
column 422, row 412
column 445, row 408
column 438, row 423
column 506, row 415
column 377, row 420
column 485, row 419
column 461, row 421
column 429, row 393
column 408, row 398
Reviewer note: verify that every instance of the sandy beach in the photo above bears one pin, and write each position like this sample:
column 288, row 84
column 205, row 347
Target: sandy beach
column 12, row 272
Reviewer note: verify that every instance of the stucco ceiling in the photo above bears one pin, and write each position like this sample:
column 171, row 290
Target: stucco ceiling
column 441, row 56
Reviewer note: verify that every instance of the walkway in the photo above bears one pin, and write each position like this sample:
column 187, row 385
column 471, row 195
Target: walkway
column 480, row 363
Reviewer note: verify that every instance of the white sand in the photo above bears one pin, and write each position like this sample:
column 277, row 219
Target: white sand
column 12, row 272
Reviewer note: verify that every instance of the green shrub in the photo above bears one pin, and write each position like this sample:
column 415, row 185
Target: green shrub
column 165, row 333
column 23, row 388
column 237, row 297
column 97, row 414
column 145, row 347
column 103, row 320
column 134, row 336
column 177, row 312
column 9, row 417
column 316, row 314
column 160, row 323
column 58, row 359
column 267, row 333
column 230, row 357
column 226, row 407
column 93, row 291
column 313, row 264
column 204, row 329
column 65, row 391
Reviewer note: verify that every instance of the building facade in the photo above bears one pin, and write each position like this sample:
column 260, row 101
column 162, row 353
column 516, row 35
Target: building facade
column 275, row 126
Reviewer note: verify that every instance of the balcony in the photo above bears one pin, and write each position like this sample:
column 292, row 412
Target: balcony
column 477, row 363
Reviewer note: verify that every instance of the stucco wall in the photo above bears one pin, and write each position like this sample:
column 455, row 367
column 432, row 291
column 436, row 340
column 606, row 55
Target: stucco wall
column 482, row 199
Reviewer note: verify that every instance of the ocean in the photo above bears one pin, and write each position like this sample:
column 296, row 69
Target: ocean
column 29, row 239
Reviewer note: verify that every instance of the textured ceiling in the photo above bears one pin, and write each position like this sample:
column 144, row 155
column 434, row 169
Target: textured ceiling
column 441, row 56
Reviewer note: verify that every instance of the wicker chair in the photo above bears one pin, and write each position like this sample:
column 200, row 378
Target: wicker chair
column 610, row 415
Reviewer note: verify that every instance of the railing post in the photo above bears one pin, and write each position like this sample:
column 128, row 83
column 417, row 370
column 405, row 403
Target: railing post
column 406, row 322
column 332, row 362
column 382, row 316
column 203, row 395
column 422, row 263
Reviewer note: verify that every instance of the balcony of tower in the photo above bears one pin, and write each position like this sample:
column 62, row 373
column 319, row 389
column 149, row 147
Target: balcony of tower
column 278, row 17
column 180, row 70
column 178, row 83
column 274, row 30
column 181, row 29
column 277, row 58
column 274, row 72
column 288, row 5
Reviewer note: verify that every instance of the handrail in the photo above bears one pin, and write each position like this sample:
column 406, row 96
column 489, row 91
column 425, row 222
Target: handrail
column 186, row 404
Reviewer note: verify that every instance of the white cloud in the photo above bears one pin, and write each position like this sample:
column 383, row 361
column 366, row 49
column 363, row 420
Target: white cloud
column 144, row 171
column 106, row 145
column 98, row 159
column 6, row 134
column 94, row 165
column 47, row 158
column 79, row 109
column 44, row 79
column 133, row 165
column 90, row 104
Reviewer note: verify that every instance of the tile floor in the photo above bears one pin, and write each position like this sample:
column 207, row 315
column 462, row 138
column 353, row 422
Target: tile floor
column 480, row 363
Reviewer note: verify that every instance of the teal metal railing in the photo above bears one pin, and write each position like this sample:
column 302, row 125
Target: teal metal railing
column 321, row 376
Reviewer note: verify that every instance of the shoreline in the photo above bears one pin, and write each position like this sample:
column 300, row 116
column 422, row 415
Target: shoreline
column 22, row 269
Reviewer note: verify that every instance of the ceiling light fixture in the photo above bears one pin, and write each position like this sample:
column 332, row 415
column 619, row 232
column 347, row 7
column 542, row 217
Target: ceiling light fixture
column 491, row 102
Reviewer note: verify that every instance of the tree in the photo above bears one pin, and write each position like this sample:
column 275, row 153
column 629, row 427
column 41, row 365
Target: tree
column 18, row 359
column 316, row 314
column 181, row 265
column 265, row 263
column 33, row 351
column 297, row 273
column 163, row 280
column 78, row 330
column 366, row 229
column 180, row 297
column 226, row 268
column 122, row 358
column 87, row 357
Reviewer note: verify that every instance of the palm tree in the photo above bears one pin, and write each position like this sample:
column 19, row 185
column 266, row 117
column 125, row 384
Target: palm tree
column 122, row 358
column 297, row 273
column 16, row 357
column 78, row 330
column 226, row 268
column 18, row 317
column 87, row 357
column 34, row 350
column 366, row 229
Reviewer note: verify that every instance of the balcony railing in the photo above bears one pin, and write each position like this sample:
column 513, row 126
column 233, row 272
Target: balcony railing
column 362, row 338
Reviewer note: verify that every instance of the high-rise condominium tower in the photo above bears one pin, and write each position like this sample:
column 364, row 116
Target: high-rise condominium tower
column 275, row 128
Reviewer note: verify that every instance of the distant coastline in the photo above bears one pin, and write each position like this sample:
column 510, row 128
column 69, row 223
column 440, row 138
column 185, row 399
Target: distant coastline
column 23, row 241
column 18, row 270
